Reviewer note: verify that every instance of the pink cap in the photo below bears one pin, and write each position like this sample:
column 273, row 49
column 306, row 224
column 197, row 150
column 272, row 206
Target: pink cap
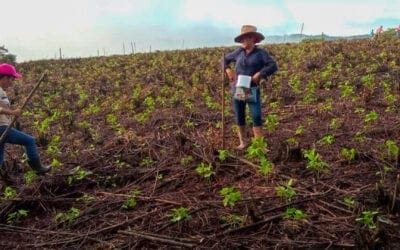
column 9, row 70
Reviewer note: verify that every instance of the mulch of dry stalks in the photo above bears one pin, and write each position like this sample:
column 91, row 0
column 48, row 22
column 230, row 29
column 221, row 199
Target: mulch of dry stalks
column 170, row 183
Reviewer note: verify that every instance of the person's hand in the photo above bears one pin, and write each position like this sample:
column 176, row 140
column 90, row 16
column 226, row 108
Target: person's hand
column 230, row 73
column 256, row 77
column 16, row 112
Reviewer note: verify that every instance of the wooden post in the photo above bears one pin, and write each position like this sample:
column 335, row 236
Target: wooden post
column 223, row 78
column 60, row 54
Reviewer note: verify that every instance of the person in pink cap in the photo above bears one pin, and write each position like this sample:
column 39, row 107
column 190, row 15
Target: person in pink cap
column 398, row 31
column 7, row 76
column 379, row 31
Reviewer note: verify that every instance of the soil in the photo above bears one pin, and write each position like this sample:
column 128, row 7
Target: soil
column 152, row 163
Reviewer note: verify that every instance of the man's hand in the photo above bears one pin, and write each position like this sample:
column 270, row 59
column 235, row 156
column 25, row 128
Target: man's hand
column 230, row 73
column 16, row 112
column 256, row 77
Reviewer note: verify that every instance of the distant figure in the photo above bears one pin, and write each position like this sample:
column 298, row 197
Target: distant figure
column 379, row 31
column 372, row 33
column 398, row 31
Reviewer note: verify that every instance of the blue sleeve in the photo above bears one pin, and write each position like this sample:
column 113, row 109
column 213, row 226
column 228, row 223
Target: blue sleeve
column 230, row 57
column 270, row 65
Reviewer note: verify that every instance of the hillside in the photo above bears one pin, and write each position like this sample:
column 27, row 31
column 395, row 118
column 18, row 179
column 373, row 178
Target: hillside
column 137, row 147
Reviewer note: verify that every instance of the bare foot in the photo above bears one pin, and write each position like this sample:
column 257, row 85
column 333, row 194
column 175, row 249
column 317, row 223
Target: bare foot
column 241, row 146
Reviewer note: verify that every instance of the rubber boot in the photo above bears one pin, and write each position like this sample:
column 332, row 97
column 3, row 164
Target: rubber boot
column 37, row 166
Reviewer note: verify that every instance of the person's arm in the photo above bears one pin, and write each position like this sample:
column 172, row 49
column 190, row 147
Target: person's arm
column 8, row 111
column 269, row 67
column 228, row 59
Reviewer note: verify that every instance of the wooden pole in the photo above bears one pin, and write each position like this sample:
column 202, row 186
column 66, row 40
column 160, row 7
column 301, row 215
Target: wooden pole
column 223, row 78
column 3, row 136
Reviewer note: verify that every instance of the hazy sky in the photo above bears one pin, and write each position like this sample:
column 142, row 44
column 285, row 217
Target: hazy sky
column 36, row 29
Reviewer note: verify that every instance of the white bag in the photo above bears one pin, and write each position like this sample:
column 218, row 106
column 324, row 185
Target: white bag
column 243, row 81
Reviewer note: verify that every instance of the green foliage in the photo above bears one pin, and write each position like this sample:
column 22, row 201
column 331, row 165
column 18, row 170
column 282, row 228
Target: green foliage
column 233, row 219
column 179, row 214
column 6, row 57
column 349, row 202
column 30, row 176
column 205, row 170
column 294, row 214
column 265, row 166
column 286, row 191
column 9, row 193
column 186, row 160
column 315, row 162
column 78, row 174
column 70, row 216
column 368, row 219
column 16, row 217
column 271, row 122
column 231, row 196
column 223, row 154
column 257, row 149
column 371, row 116
column 86, row 198
column 327, row 139
column 131, row 202
column 348, row 154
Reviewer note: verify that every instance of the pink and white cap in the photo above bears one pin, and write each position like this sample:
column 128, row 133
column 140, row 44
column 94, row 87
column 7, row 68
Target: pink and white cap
column 9, row 70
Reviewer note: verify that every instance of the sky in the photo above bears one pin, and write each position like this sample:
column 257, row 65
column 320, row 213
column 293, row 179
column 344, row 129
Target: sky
column 38, row 29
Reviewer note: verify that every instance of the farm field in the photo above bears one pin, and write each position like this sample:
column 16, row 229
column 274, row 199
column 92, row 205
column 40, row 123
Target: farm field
column 136, row 145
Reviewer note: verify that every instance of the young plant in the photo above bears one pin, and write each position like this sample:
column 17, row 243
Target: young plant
column 131, row 201
column 286, row 191
column 230, row 196
column 368, row 219
column 179, row 214
column 16, row 217
column 78, row 174
column 292, row 213
column 30, row 177
column 257, row 149
column 327, row 139
column 266, row 166
column 349, row 202
column 348, row 154
column 9, row 193
column 205, row 171
column 315, row 162
column 70, row 216
column 223, row 154
column 271, row 122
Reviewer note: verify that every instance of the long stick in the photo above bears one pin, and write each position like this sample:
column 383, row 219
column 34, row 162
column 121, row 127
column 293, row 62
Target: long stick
column 223, row 103
column 3, row 136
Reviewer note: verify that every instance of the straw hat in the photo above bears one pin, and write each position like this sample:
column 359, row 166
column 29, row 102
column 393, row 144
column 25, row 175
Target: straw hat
column 249, row 30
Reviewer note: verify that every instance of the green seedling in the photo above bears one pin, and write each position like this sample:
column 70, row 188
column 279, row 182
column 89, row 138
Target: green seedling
column 205, row 171
column 16, row 217
column 231, row 196
column 286, row 191
column 294, row 214
column 179, row 214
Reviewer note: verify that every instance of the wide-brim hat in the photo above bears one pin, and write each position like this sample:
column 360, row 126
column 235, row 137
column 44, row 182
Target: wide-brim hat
column 9, row 70
column 249, row 30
